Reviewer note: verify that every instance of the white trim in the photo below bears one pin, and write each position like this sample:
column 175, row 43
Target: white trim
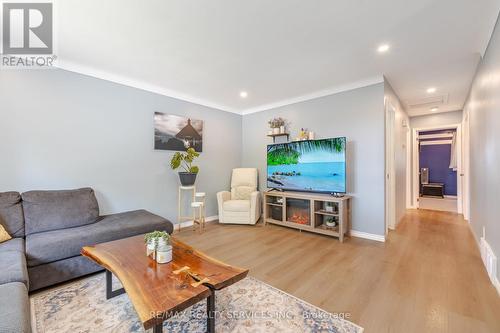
column 409, row 203
column 365, row 235
column 415, row 170
column 436, row 128
column 434, row 136
column 190, row 222
column 437, row 142
column 490, row 261
column 130, row 82
column 317, row 94
column 496, row 284
column 460, row 170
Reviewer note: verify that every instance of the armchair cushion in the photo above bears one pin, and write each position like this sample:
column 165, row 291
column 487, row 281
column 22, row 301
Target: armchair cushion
column 242, row 192
column 243, row 183
column 236, row 206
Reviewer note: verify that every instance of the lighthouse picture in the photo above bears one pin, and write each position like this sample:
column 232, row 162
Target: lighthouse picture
column 177, row 133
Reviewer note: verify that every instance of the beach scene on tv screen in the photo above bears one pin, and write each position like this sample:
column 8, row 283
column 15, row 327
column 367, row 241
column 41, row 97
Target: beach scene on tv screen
column 316, row 165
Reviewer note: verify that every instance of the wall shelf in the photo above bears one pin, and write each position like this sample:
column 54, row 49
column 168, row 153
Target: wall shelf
column 274, row 136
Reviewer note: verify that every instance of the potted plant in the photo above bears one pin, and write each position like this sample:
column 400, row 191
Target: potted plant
column 158, row 246
column 185, row 160
column 277, row 125
column 330, row 222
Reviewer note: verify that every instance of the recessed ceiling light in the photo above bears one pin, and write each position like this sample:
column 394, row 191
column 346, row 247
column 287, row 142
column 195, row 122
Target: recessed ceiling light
column 435, row 108
column 243, row 94
column 431, row 90
column 383, row 48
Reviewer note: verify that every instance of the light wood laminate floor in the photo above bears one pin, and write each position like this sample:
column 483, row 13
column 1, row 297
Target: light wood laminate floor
column 427, row 277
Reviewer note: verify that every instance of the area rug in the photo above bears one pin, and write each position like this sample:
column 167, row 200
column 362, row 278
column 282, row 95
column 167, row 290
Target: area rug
column 247, row 306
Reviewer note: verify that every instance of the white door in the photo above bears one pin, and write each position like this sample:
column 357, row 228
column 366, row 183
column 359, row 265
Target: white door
column 390, row 173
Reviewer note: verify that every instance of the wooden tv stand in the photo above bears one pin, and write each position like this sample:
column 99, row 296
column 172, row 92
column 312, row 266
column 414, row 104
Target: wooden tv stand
column 309, row 212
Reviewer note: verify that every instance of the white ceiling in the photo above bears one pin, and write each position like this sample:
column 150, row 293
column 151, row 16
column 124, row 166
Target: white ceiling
column 278, row 51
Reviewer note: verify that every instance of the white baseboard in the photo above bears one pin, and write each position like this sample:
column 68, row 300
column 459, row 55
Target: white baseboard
column 496, row 283
column 365, row 235
column 490, row 262
column 190, row 223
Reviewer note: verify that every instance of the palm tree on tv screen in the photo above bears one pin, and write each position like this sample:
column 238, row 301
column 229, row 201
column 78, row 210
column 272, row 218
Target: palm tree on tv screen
column 289, row 153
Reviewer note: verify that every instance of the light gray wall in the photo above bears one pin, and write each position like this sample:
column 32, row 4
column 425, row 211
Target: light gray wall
column 437, row 119
column 400, row 148
column 483, row 108
column 358, row 115
column 64, row 130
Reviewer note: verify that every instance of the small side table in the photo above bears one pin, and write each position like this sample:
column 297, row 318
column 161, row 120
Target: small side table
column 180, row 217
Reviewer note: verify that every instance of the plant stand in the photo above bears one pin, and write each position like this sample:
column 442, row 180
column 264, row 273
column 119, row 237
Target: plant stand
column 180, row 217
column 199, row 211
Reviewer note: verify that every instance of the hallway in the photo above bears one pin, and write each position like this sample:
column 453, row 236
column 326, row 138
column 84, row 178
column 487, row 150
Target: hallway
column 427, row 277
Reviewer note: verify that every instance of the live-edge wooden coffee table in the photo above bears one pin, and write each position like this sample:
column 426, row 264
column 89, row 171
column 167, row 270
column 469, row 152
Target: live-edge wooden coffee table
column 159, row 291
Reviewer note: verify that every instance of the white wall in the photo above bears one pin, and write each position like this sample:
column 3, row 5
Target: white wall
column 400, row 145
column 483, row 108
column 436, row 119
column 357, row 114
column 63, row 130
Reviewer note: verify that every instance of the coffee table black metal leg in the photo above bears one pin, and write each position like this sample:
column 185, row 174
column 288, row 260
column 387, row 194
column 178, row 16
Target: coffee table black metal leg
column 110, row 293
column 211, row 312
column 158, row 328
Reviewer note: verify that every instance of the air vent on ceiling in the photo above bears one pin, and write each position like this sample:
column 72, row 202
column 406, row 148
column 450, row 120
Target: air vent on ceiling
column 427, row 102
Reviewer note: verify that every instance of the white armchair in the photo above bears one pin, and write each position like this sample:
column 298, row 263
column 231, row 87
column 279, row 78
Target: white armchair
column 242, row 204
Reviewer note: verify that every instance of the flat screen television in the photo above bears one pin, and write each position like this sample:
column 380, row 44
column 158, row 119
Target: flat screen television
column 312, row 165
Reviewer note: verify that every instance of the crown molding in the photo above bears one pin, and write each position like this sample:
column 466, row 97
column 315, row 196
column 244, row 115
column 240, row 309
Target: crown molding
column 317, row 94
column 127, row 81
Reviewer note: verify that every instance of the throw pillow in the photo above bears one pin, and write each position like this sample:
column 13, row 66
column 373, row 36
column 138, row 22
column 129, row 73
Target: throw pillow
column 4, row 235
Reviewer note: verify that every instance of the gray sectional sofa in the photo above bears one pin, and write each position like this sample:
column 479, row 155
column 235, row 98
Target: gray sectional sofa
column 49, row 229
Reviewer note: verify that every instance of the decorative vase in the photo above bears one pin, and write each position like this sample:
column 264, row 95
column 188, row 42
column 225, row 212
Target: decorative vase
column 187, row 178
column 164, row 254
column 276, row 130
column 282, row 129
column 311, row 135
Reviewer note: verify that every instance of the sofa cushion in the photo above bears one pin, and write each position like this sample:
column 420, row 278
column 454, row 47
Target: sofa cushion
column 55, row 245
column 15, row 244
column 237, row 205
column 13, row 267
column 14, row 308
column 11, row 213
column 52, row 210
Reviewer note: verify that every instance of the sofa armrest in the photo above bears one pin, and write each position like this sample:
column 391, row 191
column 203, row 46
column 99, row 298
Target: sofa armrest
column 254, row 207
column 221, row 197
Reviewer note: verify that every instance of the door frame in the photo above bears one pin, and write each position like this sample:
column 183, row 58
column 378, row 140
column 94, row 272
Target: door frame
column 466, row 164
column 416, row 163
column 390, row 167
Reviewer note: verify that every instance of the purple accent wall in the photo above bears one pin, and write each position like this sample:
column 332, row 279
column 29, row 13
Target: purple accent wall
column 437, row 159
